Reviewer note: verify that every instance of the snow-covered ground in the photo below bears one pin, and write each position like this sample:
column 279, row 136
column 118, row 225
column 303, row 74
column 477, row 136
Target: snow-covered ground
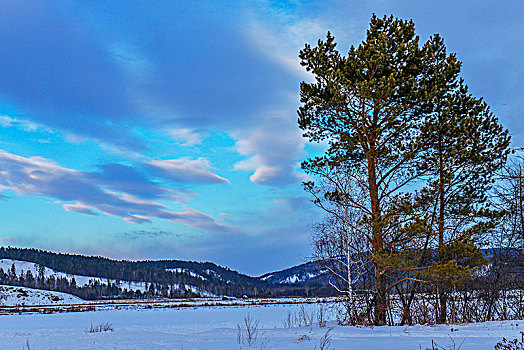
column 216, row 328
column 12, row 296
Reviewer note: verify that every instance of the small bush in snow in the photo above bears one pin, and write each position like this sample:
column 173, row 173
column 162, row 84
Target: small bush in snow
column 103, row 327
column 514, row 344
column 451, row 346
column 248, row 332
column 325, row 341
column 321, row 318
column 304, row 319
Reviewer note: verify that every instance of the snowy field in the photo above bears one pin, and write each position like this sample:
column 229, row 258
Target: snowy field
column 216, row 328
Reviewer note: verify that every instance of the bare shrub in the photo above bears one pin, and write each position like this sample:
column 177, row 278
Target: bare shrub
column 290, row 320
column 357, row 311
column 303, row 337
column 321, row 318
column 248, row 332
column 325, row 341
column 451, row 346
column 304, row 318
column 514, row 344
column 239, row 334
column 103, row 327
column 422, row 311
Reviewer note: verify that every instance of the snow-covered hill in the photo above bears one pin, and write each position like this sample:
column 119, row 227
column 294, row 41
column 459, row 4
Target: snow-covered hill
column 21, row 267
column 308, row 272
column 173, row 278
column 14, row 296
column 24, row 266
column 136, row 279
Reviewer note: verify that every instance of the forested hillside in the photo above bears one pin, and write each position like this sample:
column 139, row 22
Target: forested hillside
column 139, row 279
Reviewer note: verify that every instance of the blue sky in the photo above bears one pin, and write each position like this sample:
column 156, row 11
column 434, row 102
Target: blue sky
column 167, row 129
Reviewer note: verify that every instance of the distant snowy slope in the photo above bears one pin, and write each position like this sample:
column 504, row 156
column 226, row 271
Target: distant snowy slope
column 13, row 296
column 191, row 273
column 204, row 271
column 24, row 266
column 305, row 273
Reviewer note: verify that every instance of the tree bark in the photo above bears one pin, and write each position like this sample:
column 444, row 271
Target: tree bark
column 442, row 315
column 380, row 280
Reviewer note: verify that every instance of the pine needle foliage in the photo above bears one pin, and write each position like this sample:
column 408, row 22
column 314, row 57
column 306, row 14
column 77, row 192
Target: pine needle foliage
column 396, row 116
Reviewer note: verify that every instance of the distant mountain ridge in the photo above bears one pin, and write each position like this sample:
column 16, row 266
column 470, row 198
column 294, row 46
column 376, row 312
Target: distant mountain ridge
column 161, row 278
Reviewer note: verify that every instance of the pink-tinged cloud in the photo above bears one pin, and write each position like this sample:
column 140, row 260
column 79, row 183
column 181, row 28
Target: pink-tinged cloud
column 185, row 170
column 93, row 193
column 79, row 208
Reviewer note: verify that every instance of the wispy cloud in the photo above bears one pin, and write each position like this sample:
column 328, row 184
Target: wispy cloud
column 185, row 136
column 127, row 179
column 79, row 208
column 185, row 170
column 166, row 79
column 138, row 234
column 94, row 193
column 22, row 124
column 292, row 205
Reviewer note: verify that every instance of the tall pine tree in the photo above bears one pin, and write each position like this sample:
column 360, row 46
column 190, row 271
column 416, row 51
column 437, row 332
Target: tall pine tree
column 466, row 145
column 370, row 107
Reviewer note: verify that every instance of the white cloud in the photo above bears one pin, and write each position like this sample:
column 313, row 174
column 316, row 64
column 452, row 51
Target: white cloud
column 280, row 33
column 22, row 124
column 185, row 136
column 36, row 176
column 186, row 170
column 275, row 148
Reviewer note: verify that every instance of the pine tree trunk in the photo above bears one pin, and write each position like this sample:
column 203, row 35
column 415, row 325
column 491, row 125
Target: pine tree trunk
column 348, row 260
column 380, row 298
column 380, row 280
column 443, row 299
column 442, row 315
